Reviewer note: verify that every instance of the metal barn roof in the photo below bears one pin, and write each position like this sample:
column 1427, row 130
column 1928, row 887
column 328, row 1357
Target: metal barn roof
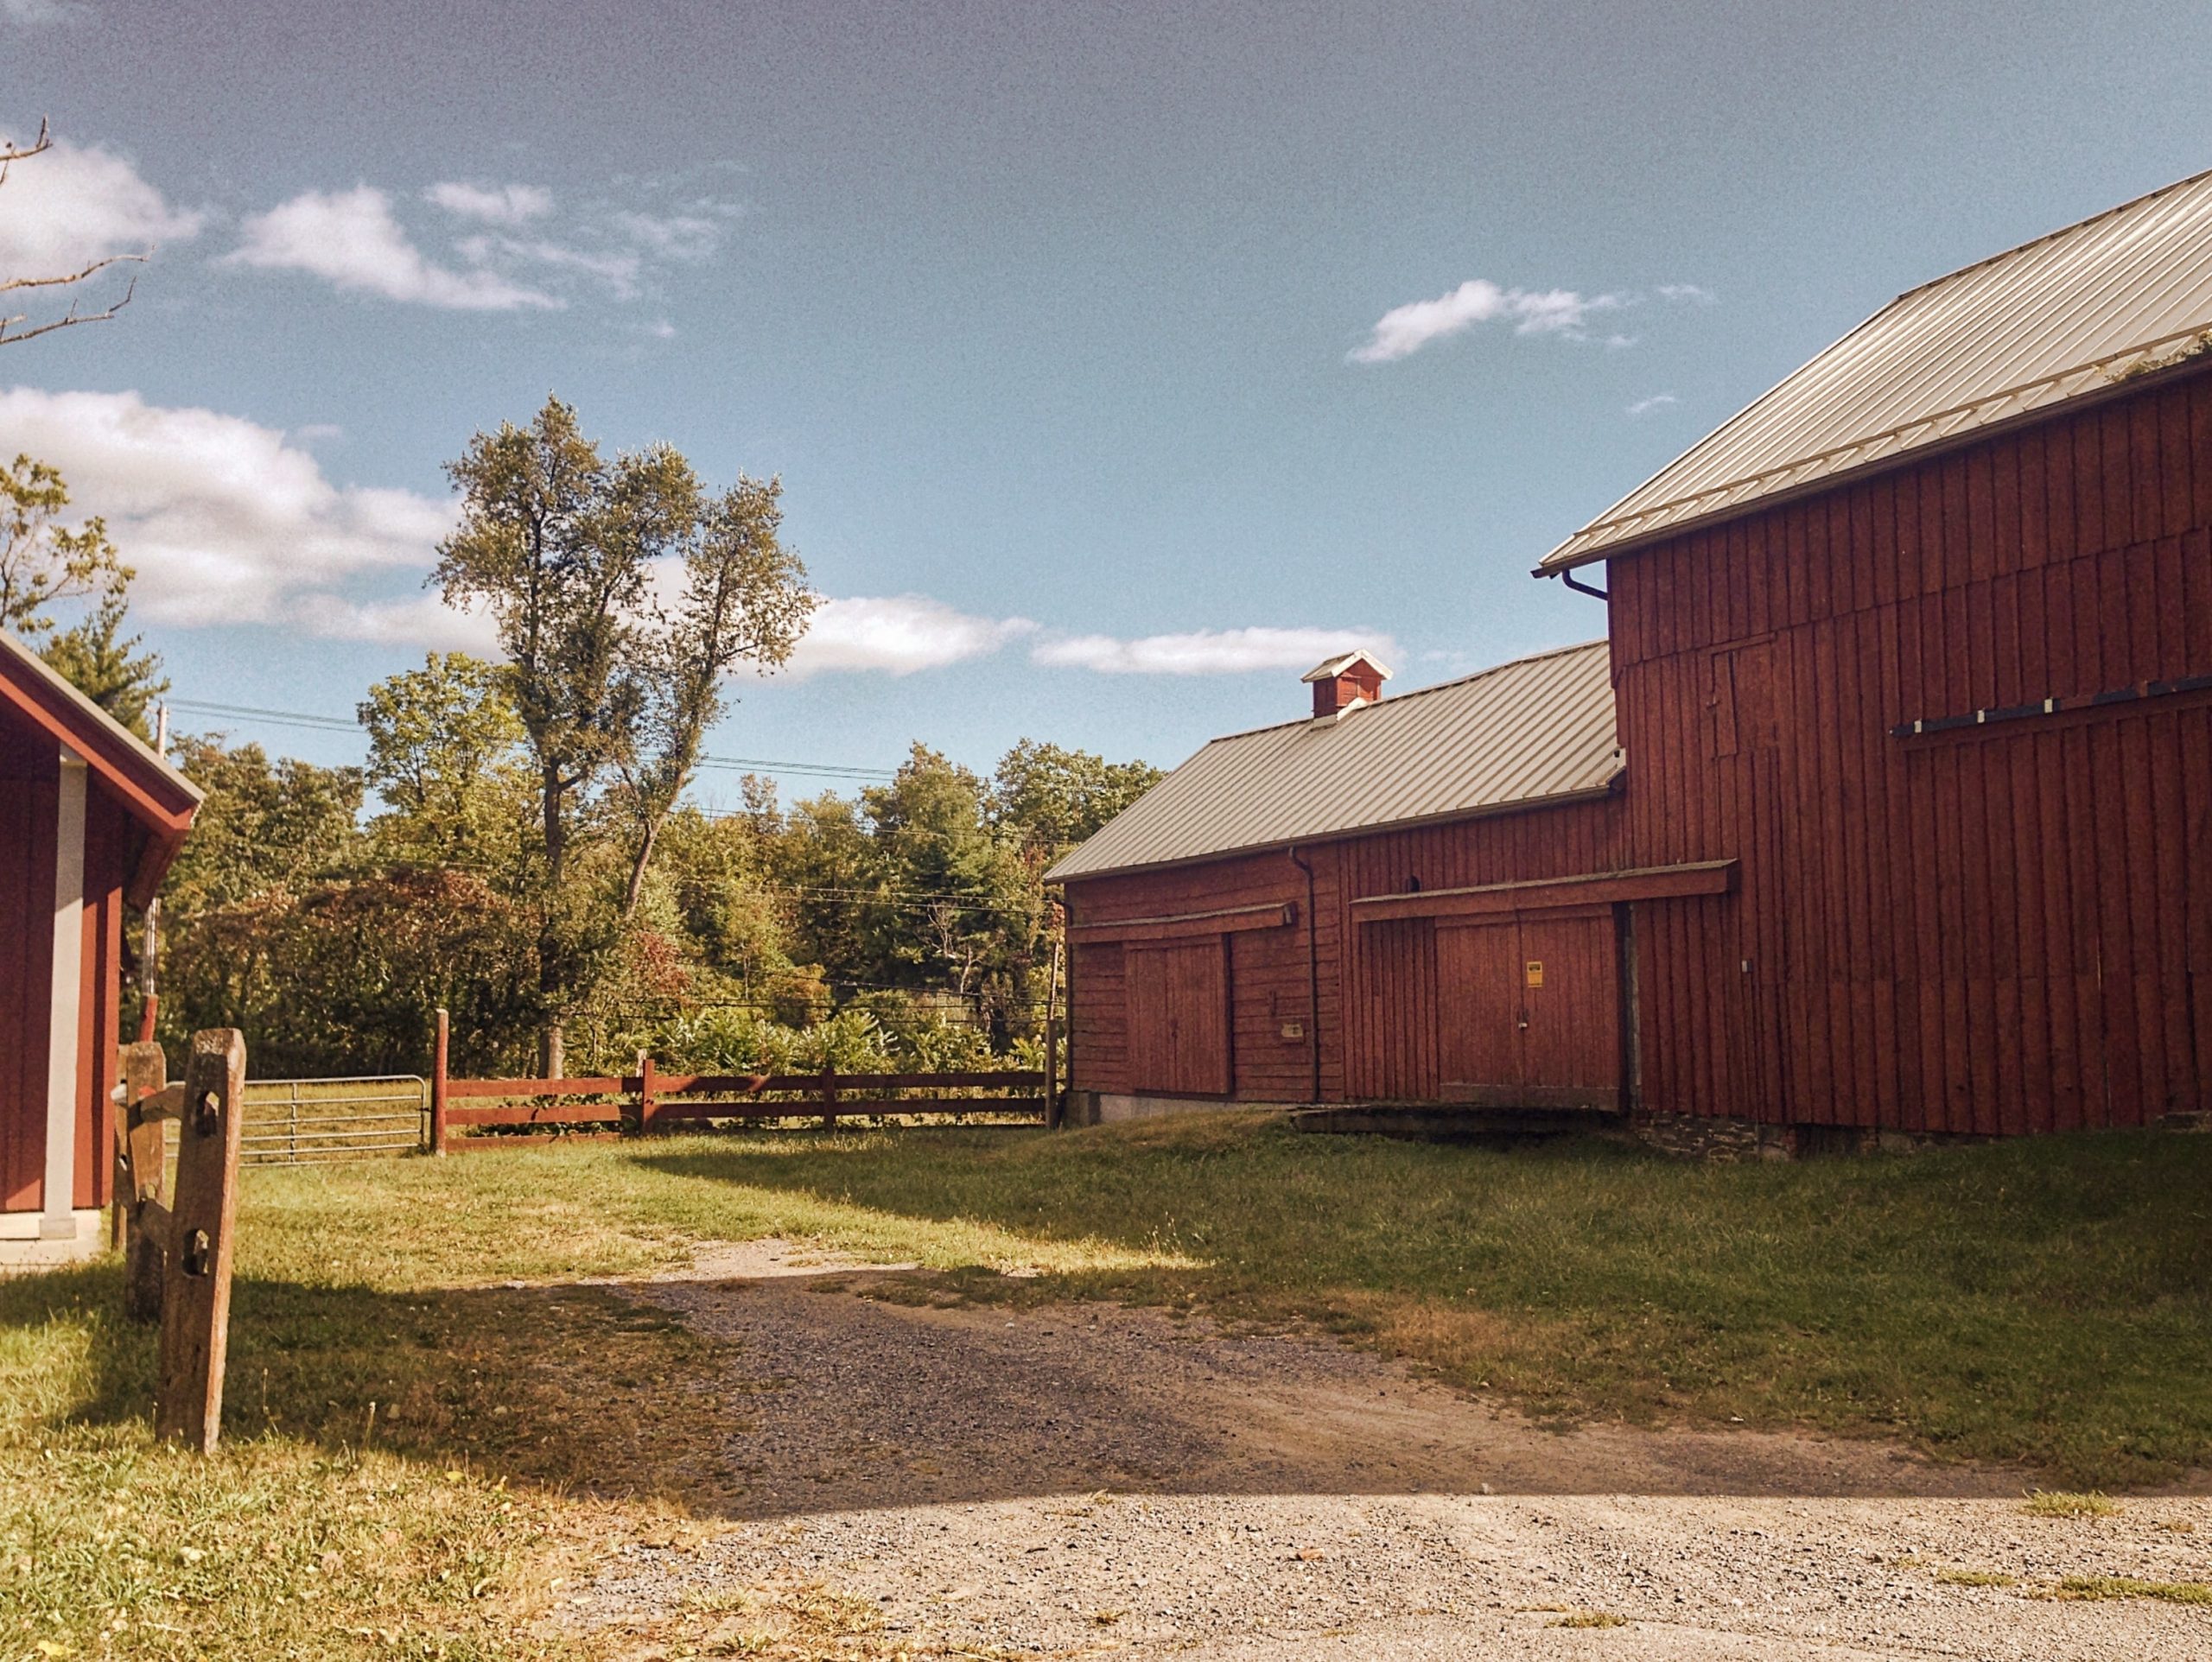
column 2066, row 315
column 1537, row 730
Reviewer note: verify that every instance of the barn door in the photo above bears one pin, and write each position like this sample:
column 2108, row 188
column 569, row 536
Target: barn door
column 1393, row 1057
column 1528, row 1010
column 1178, row 1003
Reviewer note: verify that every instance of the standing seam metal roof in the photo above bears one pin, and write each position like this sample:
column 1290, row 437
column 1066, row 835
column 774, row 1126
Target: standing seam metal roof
column 1536, row 729
column 2066, row 314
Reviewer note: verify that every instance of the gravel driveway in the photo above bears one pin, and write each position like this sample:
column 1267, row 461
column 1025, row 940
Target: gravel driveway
column 1088, row 1480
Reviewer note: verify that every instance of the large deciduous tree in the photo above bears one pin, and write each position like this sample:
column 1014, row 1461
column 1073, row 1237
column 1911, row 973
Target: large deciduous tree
column 615, row 686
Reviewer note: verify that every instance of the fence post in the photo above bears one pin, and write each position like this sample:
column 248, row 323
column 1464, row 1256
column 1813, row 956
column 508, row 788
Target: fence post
column 648, row 1099
column 196, row 1293
column 828, row 1096
column 1052, row 1075
column 143, row 1149
column 438, row 1085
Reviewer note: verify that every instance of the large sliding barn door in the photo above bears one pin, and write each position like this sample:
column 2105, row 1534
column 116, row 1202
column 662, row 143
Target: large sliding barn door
column 1178, row 1003
column 1528, row 1010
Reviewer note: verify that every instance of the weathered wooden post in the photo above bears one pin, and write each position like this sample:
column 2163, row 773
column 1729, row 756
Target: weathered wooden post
column 828, row 1096
column 141, row 1153
column 648, row 1099
column 196, row 1292
column 438, row 1086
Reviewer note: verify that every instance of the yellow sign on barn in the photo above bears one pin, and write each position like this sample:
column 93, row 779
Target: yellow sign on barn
column 1535, row 974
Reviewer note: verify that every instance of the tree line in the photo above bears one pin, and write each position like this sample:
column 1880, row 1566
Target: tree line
column 520, row 844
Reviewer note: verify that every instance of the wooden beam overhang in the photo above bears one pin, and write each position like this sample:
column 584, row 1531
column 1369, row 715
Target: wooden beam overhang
column 1542, row 894
column 1183, row 925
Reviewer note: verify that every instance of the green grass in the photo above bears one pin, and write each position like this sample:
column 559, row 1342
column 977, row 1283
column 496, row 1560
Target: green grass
column 2126, row 1587
column 2047, row 1301
column 2062, row 1503
column 2044, row 1300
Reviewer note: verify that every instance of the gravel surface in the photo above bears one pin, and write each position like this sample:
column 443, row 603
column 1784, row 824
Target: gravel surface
column 1087, row 1479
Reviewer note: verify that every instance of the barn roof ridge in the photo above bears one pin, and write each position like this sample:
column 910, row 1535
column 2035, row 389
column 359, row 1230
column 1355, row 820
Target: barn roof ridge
column 1398, row 700
column 1533, row 732
column 2075, row 313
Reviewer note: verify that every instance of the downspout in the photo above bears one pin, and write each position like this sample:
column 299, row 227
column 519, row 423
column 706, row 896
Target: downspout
column 1591, row 590
column 1312, row 970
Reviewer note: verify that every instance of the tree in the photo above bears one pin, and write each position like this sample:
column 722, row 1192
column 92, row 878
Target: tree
column 446, row 755
column 41, row 561
column 745, row 599
column 265, row 826
column 106, row 666
column 562, row 547
column 10, row 333
column 1055, row 798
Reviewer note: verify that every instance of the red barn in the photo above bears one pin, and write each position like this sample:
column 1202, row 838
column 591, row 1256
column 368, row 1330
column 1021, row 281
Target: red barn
column 89, row 818
column 1909, row 666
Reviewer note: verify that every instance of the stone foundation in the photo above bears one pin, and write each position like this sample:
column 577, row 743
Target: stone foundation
column 1706, row 1137
column 1110, row 1108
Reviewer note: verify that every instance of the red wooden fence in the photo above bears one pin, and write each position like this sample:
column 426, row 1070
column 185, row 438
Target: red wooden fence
column 651, row 1101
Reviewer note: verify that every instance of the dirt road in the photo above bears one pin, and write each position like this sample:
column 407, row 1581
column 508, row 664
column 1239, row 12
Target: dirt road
column 1087, row 1479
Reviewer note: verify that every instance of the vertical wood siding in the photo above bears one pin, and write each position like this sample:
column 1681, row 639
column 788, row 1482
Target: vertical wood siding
column 2000, row 929
column 28, row 773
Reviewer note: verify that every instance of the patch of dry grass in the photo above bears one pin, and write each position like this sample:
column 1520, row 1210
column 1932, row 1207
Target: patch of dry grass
column 2126, row 1587
column 2066, row 1503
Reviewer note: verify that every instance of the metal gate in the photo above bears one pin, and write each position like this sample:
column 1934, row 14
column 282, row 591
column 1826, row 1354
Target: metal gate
column 320, row 1121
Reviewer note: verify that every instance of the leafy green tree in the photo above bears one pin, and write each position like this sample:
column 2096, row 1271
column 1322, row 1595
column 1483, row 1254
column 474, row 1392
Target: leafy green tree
column 1054, row 798
column 562, row 547
column 42, row 561
column 265, row 827
column 105, row 664
column 446, row 755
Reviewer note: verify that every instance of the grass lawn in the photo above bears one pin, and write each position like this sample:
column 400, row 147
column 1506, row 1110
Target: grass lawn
column 2048, row 1300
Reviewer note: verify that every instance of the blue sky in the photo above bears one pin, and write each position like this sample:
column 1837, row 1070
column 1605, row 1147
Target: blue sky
column 1118, row 359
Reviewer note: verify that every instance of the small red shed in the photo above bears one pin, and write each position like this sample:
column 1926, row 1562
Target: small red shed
column 89, row 819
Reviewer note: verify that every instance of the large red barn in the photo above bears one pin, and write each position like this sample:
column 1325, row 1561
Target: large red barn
column 89, row 818
column 1909, row 666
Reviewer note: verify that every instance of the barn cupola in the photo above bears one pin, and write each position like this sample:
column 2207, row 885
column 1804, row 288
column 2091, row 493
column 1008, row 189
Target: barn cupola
column 1345, row 682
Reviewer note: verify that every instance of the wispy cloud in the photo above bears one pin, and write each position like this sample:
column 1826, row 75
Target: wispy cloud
column 1686, row 294
column 1656, row 401
column 1404, row 330
column 898, row 634
column 499, row 205
column 33, row 13
column 1208, row 651
column 351, row 239
column 77, row 204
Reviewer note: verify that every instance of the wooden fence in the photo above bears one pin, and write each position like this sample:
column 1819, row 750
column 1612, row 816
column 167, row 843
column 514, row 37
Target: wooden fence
column 650, row 1101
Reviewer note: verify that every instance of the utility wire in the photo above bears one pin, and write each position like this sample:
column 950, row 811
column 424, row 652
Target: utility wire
column 334, row 724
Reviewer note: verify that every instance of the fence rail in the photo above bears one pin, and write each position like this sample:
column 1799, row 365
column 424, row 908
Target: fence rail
column 652, row 1100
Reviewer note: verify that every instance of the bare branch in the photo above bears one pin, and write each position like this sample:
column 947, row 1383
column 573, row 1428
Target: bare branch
column 15, row 153
column 75, row 276
column 69, row 321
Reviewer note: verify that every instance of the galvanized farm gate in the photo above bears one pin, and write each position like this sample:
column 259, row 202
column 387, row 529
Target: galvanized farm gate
column 322, row 1121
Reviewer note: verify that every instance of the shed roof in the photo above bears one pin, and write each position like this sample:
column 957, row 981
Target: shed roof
column 2061, row 318
column 155, row 794
column 1535, row 731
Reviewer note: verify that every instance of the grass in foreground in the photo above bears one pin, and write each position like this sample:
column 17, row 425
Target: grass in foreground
column 2047, row 1301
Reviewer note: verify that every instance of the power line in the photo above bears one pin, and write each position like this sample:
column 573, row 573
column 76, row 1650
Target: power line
column 334, row 724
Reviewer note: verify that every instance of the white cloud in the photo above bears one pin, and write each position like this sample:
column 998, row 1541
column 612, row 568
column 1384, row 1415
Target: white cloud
column 897, row 634
column 1405, row 329
column 227, row 521
column 499, row 205
column 1209, row 651
column 1686, row 294
column 75, row 204
column 423, row 621
column 351, row 238
column 691, row 235
column 1656, row 401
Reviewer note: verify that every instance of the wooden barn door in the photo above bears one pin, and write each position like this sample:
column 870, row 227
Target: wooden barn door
column 1393, row 1056
column 1528, row 1010
column 1178, row 1002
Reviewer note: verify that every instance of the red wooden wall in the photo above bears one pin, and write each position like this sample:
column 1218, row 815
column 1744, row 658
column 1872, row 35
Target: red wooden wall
column 28, row 780
column 2003, row 929
column 2006, row 927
